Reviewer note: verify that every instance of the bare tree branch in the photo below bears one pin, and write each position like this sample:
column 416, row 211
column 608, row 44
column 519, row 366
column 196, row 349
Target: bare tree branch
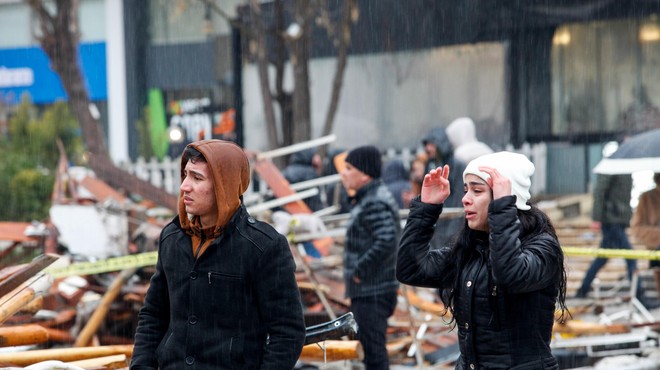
column 295, row 107
column 59, row 40
column 262, row 67
column 349, row 15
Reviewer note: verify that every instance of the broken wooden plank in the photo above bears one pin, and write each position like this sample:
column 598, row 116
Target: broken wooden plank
column 313, row 281
column 19, row 277
column 26, row 358
column 33, row 306
column 86, row 334
column 281, row 188
column 576, row 327
column 425, row 305
column 105, row 362
column 332, row 350
column 415, row 348
column 59, row 336
column 21, row 296
column 20, row 335
column 307, row 285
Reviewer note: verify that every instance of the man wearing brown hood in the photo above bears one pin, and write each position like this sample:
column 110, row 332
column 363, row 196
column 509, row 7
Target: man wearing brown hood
column 224, row 294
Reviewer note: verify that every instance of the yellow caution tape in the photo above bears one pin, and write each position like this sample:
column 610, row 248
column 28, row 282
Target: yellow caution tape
column 612, row 253
column 149, row 259
column 106, row 265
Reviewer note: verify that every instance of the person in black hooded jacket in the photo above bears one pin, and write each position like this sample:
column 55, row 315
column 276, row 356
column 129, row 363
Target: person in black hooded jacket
column 440, row 152
column 224, row 293
column 397, row 180
column 504, row 276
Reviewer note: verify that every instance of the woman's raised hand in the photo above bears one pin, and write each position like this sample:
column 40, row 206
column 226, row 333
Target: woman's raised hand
column 435, row 188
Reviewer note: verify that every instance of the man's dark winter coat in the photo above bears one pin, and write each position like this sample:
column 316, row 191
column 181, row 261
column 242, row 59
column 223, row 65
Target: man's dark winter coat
column 372, row 237
column 238, row 306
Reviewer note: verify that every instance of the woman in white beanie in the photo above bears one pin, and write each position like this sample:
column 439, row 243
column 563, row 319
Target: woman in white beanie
column 503, row 276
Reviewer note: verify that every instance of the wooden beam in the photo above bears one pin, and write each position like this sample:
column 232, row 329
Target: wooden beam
column 575, row 327
column 424, row 305
column 105, row 362
column 333, row 350
column 19, row 277
column 102, row 309
column 22, row 335
column 26, row 358
column 15, row 300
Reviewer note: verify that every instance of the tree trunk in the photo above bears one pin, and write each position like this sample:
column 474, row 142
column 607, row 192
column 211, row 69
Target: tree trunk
column 262, row 67
column 302, row 123
column 284, row 98
column 343, row 41
column 59, row 40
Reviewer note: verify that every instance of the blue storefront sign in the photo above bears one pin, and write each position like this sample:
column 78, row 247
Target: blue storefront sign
column 27, row 70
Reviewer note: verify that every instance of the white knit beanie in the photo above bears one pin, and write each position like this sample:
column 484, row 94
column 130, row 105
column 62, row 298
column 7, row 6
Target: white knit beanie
column 516, row 167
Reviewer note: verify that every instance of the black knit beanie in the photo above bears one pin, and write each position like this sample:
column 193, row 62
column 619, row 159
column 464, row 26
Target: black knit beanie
column 366, row 159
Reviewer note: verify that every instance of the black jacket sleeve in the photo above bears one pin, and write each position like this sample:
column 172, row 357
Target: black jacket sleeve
column 418, row 264
column 519, row 267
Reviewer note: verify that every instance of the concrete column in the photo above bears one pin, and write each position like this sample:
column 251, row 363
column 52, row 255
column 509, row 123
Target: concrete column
column 116, row 65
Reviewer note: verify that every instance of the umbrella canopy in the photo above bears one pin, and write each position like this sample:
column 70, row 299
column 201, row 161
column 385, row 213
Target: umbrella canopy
column 638, row 153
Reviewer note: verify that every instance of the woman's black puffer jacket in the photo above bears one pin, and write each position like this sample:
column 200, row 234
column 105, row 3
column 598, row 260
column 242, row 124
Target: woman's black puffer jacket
column 505, row 295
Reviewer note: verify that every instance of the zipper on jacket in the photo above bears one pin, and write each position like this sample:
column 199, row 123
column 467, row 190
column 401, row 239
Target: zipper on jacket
column 209, row 278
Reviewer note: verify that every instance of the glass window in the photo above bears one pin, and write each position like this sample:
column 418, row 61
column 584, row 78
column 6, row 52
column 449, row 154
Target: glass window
column 605, row 77
column 92, row 20
column 175, row 21
column 14, row 17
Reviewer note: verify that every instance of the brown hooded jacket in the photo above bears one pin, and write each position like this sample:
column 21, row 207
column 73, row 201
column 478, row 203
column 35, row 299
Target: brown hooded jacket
column 223, row 157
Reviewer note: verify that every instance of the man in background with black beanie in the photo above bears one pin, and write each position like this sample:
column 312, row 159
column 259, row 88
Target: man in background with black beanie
column 372, row 237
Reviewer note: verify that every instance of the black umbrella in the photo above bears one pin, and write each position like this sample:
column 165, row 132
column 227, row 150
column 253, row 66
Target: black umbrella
column 638, row 153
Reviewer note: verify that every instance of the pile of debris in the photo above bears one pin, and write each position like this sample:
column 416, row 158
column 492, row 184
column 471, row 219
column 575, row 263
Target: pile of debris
column 75, row 305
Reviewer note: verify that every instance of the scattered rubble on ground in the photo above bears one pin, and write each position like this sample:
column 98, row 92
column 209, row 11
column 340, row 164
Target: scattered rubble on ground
column 75, row 305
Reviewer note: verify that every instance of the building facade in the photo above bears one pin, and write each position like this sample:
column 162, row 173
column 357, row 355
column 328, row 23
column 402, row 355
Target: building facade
column 572, row 74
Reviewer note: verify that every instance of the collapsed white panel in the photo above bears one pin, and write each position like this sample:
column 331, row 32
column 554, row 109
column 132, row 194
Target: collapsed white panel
column 91, row 231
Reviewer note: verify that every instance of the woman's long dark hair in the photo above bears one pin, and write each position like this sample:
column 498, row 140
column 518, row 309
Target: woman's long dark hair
column 532, row 222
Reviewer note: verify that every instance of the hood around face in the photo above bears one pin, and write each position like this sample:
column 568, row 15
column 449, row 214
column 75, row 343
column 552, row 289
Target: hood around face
column 438, row 137
column 230, row 169
column 395, row 170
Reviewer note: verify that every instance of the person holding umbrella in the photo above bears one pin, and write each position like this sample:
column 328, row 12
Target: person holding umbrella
column 640, row 152
column 611, row 213
column 645, row 224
